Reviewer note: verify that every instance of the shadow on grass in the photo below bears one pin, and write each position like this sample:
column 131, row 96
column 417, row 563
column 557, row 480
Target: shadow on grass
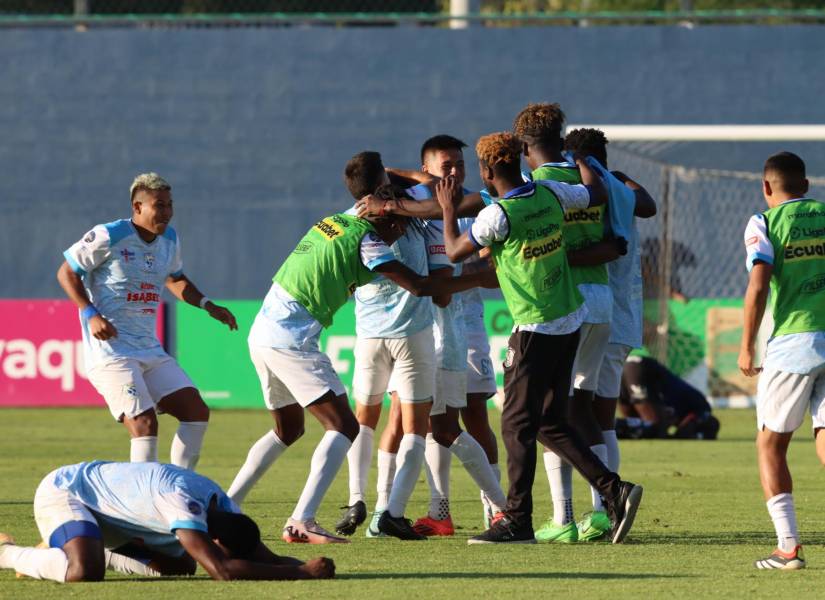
column 730, row 538
column 541, row 575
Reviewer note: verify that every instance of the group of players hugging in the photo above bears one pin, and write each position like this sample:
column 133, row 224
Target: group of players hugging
column 560, row 243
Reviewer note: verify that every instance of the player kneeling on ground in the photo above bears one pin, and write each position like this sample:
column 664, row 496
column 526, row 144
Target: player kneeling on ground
column 146, row 519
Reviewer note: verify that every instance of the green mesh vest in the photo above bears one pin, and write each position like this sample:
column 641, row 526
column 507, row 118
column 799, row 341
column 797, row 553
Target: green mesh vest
column 531, row 263
column 796, row 231
column 325, row 267
column 582, row 226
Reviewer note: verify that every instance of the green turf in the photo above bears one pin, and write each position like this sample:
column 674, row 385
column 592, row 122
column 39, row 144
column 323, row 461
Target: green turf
column 701, row 524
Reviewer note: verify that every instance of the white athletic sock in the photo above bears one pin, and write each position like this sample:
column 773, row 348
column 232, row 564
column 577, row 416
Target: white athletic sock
column 783, row 515
column 326, row 461
column 186, row 445
column 40, row 563
column 497, row 474
column 474, row 459
column 261, row 455
column 599, row 450
column 128, row 566
column 612, row 443
column 359, row 458
column 408, row 468
column 437, row 461
column 144, row 449
column 386, row 473
column 560, row 476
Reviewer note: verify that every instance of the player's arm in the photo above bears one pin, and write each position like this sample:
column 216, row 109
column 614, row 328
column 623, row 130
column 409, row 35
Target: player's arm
column 409, row 175
column 223, row 568
column 645, row 204
column 183, row 289
column 760, row 258
column 457, row 245
column 591, row 180
column 599, row 253
column 418, row 285
column 372, row 206
column 442, row 300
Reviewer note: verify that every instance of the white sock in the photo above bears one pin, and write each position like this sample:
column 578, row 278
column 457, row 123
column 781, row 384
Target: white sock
column 560, row 476
column 261, row 455
column 326, row 461
column 186, row 445
column 437, row 461
column 599, row 450
column 129, row 566
column 386, row 473
column 474, row 459
column 144, row 449
column 612, row 443
column 783, row 515
column 359, row 458
column 408, row 461
column 40, row 563
column 497, row 474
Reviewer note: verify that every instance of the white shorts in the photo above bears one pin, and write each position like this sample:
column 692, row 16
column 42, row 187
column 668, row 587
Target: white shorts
column 450, row 390
column 610, row 375
column 593, row 340
column 481, row 376
column 782, row 399
column 132, row 386
column 61, row 517
column 410, row 361
column 294, row 376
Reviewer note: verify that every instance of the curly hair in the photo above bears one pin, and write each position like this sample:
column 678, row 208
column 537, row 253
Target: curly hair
column 587, row 141
column 496, row 148
column 539, row 123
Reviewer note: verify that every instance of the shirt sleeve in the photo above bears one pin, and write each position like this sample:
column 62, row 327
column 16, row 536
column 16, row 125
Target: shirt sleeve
column 571, row 196
column 374, row 251
column 491, row 225
column 419, row 192
column 181, row 511
column 87, row 254
column 757, row 245
column 176, row 268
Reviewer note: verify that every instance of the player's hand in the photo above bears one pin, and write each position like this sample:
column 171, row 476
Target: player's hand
column 101, row 329
column 448, row 193
column 369, row 206
column 222, row 314
column 319, row 568
column 621, row 245
column 745, row 363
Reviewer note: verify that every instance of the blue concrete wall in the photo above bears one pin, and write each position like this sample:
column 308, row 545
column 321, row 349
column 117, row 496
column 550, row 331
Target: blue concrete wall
column 253, row 126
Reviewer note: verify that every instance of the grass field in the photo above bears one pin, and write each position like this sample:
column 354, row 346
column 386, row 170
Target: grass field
column 701, row 524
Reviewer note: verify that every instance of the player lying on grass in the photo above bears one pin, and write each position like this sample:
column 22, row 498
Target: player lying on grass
column 146, row 519
column 115, row 276
column 339, row 254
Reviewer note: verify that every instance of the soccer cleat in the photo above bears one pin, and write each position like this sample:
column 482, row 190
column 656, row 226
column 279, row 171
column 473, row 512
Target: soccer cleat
column 553, row 533
column 429, row 526
column 309, row 532
column 398, row 527
column 353, row 516
column 785, row 561
column 622, row 510
column 593, row 526
column 372, row 528
column 505, row 531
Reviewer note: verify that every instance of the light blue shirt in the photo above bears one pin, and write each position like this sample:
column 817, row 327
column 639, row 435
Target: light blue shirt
column 799, row 353
column 283, row 322
column 143, row 501
column 124, row 277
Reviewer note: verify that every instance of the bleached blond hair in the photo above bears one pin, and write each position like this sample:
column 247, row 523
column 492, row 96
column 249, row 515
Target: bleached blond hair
column 148, row 181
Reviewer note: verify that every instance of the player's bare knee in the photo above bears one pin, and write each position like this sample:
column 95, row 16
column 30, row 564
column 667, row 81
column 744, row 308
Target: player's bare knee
column 200, row 411
column 144, row 424
column 289, row 435
column 86, row 570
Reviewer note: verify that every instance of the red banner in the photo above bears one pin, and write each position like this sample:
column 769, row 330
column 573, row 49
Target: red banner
column 41, row 355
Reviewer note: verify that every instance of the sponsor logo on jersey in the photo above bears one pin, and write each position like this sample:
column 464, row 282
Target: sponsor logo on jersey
column 584, row 215
column 303, row 248
column 147, row 286
column 551, row 279
column 142, row 297
column 89, row 237
column 541, row 249
column 806, row 232
column 437, row 249
column 811, row 214
column 814, row 285
column 149, row 261
column 329, row 228
column 542, row 232
column 805, row 251
column 127, row 254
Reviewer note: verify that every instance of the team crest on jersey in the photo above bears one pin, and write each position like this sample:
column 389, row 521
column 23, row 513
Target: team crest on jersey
column 89, row 237
column 127, row 254
column 149, row 261
column 508, row 360
column 194, row 507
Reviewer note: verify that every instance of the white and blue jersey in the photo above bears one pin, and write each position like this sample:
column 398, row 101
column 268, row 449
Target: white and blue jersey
column 124, row 276
column 384, row 309
column 144, row 502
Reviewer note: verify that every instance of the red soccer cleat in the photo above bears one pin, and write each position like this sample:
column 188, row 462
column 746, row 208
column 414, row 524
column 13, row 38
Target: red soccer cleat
column 430, row 527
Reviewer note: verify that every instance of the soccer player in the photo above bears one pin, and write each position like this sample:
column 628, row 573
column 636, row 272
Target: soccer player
column 338, row 255
column 627, row 200
column 786, row 256
column 524, row 231
column 115, row 275
column 146, row 519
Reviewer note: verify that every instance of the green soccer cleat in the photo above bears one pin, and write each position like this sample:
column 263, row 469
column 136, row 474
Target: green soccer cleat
column 593, row 526
column 372, row 529
column 553, row 533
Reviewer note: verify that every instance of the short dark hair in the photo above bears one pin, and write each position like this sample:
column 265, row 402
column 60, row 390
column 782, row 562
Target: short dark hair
column 236, row 532
column 539, row 124
column 363, row 174
column 589, row 142
column 441, row 142
column 789, row 169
